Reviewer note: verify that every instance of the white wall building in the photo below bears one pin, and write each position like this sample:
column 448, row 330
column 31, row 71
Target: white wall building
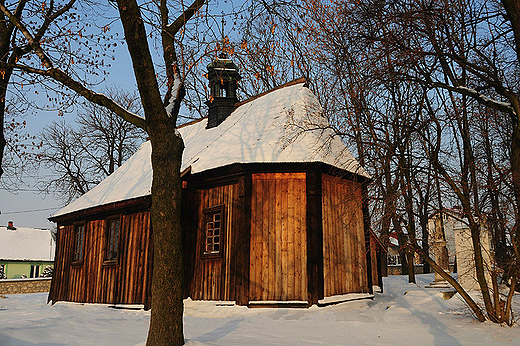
column 460, row 247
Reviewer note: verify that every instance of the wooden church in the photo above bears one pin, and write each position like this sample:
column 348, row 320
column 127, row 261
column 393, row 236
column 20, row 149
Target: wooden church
column 272, row 210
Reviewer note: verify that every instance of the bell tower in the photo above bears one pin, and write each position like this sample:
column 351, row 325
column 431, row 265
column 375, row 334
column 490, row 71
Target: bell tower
column 223, row 82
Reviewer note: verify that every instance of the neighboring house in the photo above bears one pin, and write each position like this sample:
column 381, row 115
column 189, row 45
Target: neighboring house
column 393, row 250
column 394, row 264
column 459, row 246
column 25, row 252
column 272, row 210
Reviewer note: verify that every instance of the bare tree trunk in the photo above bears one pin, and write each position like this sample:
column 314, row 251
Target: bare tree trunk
column 512, row 8
column 403, row 258
column 471, row 303
column 475, row 238
column 411, row 267
column 507, row 313
column 423, row 208
column 5, row 37
column 406, row 187
column 166, row 321
column 3, row 90
column 425, row 241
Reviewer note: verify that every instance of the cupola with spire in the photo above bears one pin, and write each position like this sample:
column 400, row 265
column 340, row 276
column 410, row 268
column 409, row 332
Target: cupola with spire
column 223, row 82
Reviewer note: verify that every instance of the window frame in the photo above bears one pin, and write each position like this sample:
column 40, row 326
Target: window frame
column 75, row 260
column 108, row 236
column 207, row 213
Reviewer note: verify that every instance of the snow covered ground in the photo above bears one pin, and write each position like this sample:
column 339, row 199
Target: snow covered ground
column 405, row 314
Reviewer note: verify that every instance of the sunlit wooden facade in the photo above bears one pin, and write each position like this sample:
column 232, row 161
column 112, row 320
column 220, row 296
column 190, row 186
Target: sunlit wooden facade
column 268, row 217
column 285, row 233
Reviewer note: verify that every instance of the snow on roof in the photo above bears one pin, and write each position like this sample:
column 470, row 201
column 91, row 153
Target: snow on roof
column 132, row 180
column 282, row 126
column 30, row 244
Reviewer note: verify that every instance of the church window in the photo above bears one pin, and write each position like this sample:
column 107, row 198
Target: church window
column 213, row 230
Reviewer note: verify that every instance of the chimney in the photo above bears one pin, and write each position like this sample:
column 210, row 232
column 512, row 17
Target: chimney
column 10, row 225
column 223, row 82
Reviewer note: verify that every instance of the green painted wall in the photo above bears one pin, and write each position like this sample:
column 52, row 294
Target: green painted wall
column 15, row 269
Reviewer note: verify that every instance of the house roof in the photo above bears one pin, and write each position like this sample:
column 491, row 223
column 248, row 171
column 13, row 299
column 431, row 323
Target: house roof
column 392, row 240
column 281, row 126
column 30, row 244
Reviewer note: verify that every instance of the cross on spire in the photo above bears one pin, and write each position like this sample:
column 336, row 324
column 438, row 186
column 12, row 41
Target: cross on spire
column 223, row 44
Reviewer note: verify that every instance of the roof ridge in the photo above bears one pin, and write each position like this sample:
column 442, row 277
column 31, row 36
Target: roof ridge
column 191, row 122
column 238, row 104
column 293, row 82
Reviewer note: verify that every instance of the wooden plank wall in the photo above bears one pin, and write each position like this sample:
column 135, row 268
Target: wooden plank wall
column 60, row 281
column 373, row 259
column 344, row 268
column 243, row 239
column 314, row 238
column 214, row 277
column 134, row 281
column 96, row 282
column 278, row 254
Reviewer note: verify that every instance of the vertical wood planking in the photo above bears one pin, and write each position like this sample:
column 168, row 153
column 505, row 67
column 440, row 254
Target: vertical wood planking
column 269, row 224
column 278, row 247
column 364, row 267
column 99, row 282
column 291, row 253
column 302, row 245
column 212, row 276
column 243, row 240
column 314, row 237
column 274, row 275
column 326, row 244
column 253, row 280
column 343, row 237
column 296, row 208
column 263, row 241
column 347, row 239
column 286, row 272
column 60, row 285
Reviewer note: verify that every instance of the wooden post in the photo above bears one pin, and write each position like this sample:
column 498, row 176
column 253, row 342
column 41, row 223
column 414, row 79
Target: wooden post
column 366, row 226
column 314, row 238
column 149, row 271
column 243, row 239
column 379, row 275
column 54, row 294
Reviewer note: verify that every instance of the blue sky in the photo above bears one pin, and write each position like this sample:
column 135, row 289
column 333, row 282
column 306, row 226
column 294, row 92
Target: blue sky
column 29, row 208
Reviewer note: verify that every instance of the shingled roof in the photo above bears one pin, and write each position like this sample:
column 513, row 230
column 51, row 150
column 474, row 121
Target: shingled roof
column 281, row 126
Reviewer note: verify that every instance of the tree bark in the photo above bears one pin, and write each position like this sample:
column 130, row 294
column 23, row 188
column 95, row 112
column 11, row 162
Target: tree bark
column 512, row 8
column 3, row 90
column 166, row 321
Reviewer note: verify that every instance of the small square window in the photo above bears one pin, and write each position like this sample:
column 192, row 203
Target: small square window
column 213, row 233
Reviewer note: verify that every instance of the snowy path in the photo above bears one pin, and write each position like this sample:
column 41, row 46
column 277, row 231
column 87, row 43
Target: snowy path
column 405, row 314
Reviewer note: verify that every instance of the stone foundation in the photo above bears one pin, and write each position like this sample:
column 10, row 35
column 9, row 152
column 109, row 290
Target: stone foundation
column 396, row 269
column 16, row 286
